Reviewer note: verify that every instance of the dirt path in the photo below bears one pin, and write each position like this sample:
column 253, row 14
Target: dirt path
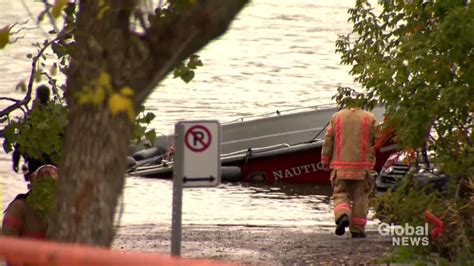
column 258, row 245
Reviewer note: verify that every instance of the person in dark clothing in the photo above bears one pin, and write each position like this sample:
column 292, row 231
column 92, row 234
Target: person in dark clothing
column 42, row 95
column 31, row 163
column 41, row 100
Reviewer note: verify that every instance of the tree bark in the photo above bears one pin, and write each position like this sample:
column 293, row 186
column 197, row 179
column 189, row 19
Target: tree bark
column 91, row 177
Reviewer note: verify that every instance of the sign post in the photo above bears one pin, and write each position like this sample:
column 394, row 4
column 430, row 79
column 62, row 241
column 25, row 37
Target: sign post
column 196, row 164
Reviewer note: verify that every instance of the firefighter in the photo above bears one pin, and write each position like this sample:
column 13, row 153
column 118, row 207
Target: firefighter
column 41, row 101
column 348, row 152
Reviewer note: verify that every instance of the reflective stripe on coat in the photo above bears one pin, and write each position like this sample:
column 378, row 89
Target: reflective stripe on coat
column 348, row 143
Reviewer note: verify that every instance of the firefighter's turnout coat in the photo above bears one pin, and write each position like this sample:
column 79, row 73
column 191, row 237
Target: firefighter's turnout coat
column 348, row 152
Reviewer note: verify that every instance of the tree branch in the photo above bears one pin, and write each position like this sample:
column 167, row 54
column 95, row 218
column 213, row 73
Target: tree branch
column 18, row 103
column 9, row 99
column 50, row 16
column 34, row 19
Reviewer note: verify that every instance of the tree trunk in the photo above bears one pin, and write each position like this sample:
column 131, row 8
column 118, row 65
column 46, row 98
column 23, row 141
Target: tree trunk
column 96, row 142
column 92, row 176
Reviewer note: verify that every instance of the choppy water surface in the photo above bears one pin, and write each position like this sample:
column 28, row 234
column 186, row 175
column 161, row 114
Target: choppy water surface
column 277, row 55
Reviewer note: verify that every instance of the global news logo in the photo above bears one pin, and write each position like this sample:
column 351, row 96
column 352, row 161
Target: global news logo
column 409, row 235
column 406, row 235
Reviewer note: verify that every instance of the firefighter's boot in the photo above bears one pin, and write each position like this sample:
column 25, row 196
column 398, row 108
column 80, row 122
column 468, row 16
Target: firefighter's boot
column 341, row 225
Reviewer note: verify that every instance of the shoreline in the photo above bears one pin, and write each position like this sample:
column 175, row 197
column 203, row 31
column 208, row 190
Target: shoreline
column 258, row 245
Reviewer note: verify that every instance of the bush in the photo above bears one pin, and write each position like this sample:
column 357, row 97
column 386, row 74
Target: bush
column 407, row 204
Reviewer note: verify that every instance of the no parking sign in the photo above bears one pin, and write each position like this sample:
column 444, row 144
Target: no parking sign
column 196, row 164
column 197, row 160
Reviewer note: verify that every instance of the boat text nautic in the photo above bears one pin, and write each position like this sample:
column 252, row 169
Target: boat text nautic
column 297, row 170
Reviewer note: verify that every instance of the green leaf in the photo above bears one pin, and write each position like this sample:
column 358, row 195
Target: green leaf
column 194, row 62
column 59, row 49
column 7, row 146
column 58, row 7
column 151, row 135
column 42, row 195
column 178, row 70
column 138, row 131
column 42, row 125
column 187, row 75
column 37, row 76
column 70, row 9
column 149, row 117
column 4, row 36
column 185, row 71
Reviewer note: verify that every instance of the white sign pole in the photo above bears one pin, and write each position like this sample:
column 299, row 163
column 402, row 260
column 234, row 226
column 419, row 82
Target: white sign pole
column 196, row 164
column 177, row 193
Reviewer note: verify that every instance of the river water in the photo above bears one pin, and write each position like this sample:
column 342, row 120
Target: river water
column 277, row 55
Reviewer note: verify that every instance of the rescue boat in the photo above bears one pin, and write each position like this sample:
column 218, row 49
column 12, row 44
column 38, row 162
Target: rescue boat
column 284, row 146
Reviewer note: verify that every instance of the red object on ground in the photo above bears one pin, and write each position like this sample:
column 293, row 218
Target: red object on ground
column 18, row 251
column 438, row 223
